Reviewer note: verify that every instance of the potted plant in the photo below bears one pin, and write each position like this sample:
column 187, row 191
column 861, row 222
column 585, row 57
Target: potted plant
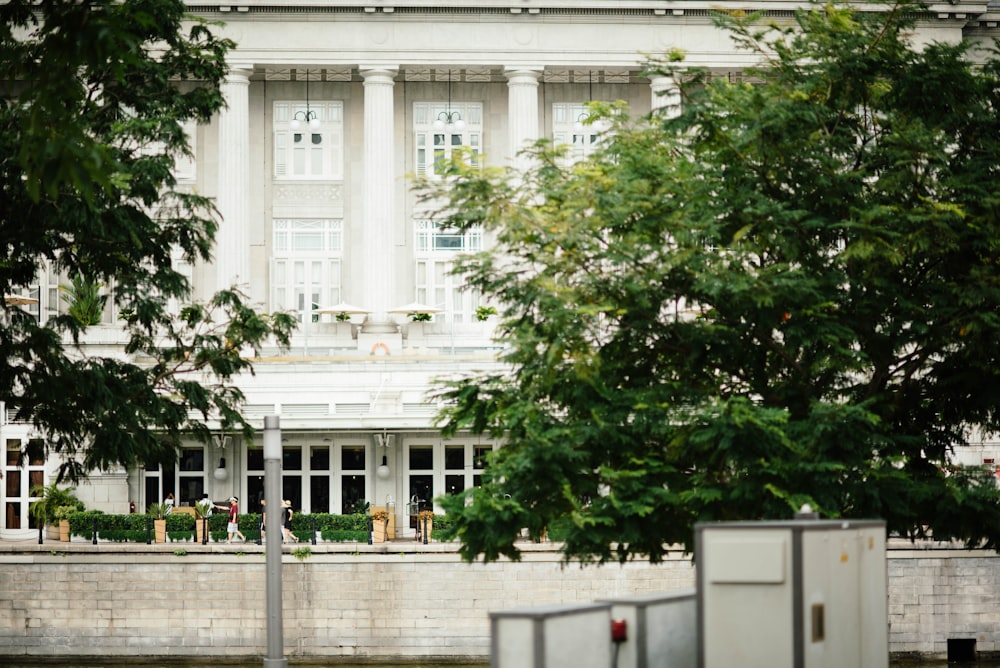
column 484, row 312
column 84, row 300
column 202, row 510
column 380, row 525
column 54, row 507
column 158, row 511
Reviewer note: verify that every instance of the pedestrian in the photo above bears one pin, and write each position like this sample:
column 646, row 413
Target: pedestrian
column 234, row 520
column 263, row 519
column 169, row 503
column 286, row 522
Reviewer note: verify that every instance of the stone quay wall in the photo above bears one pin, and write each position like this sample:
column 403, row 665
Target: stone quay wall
column 396, row 601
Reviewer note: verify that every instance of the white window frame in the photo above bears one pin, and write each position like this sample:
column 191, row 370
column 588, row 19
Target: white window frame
column 306, row 263
column 432, row 146
column 582, row 141
column 435, row 250
column 326, row 161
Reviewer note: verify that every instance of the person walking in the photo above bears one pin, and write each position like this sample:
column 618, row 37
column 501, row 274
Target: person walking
column 286, row 522
column 234, row 520
column 263, row 520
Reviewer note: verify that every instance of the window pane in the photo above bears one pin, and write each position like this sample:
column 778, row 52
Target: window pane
column 422, row 486
column 319, row 494
column 352, row 490
column 316, row 166
column 190, row 488
column 35, row 479
column 291, row 490
column 255, row 459
column 152, row 491
column 421, row 457
column 319, row 458
column 454, row 457
column 13, row 483
column 13, row 512
column 255, row 494
column 480, row 453
column 36, row 452
column 453, row 484
column 291, row 459
column 192, row 459
column 13, row 452
column 352, row 458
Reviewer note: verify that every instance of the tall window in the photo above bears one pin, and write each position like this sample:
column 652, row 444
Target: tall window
column 434, row 146
column 308, row 153
column 318, row 477
column 23, row 467
column 305, row 272
column 435, row 251
column 463, row 464
column 569, row 126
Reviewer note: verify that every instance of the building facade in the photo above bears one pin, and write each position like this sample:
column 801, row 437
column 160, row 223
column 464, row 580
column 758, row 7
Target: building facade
column 332, row 108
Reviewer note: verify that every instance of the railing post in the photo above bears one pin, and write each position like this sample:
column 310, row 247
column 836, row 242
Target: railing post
column 41, row 530
column 370, row 527
column 204, row 531
column 93, row 536
column 312, row 525
column 149, row 528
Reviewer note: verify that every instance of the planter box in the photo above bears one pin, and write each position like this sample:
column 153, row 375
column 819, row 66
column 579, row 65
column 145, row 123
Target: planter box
column 378, row 532
column 63, row 531
column 160, row 530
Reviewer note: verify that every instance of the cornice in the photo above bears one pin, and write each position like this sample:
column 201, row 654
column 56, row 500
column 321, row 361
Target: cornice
column 956, row 9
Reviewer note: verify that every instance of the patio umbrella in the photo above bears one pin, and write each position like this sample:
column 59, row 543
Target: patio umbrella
column 342, row 307
column 18, row 300
column 415, row 307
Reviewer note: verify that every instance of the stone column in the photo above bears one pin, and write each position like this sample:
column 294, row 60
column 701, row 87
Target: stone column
column 666, row 95
column 232, row 250
column 378, row 196
column 522, row 110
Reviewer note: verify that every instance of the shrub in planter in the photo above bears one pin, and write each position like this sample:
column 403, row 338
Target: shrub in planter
column 54, row 505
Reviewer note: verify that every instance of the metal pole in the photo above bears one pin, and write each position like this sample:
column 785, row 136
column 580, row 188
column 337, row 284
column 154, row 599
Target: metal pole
column 272, row 491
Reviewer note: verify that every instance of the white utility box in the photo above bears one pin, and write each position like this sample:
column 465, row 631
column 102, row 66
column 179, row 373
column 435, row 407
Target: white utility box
column 793, row 594
column 559, row 636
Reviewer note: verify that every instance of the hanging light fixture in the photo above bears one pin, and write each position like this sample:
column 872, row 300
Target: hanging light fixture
column 383, row 440
column 220, row 471
column 580, row 124
column 309, row 117
column 449, row 120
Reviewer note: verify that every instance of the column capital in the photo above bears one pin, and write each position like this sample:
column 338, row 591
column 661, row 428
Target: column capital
column 239, row 73
column 523, row 76
column 378, row 73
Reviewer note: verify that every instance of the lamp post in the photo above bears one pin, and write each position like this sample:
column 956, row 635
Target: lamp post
column 272, row 490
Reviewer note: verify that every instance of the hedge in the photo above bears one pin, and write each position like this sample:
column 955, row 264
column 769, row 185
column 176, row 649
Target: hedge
column 180, row 526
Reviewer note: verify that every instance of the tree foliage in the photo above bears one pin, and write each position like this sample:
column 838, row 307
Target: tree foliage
column 786, row 294
column 94, row 95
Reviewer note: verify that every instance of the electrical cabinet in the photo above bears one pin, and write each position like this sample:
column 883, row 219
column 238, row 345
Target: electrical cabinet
column 796, row 594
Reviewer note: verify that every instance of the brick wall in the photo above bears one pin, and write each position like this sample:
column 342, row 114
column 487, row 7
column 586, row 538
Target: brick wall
column 89, row 601
column 366, row 604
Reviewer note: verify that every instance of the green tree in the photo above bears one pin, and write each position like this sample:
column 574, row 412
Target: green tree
column 92, row 100
column 787, row 294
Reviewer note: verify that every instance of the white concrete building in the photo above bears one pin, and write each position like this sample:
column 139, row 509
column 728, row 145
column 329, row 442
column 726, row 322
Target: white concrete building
column 319, row 216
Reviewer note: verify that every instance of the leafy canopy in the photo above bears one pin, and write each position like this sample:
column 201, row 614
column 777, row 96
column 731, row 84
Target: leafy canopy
column 788, row 293
column 93, row 99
